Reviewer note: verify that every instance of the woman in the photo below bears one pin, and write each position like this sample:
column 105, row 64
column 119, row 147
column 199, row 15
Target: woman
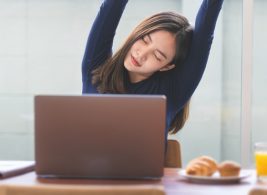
column 163, row 55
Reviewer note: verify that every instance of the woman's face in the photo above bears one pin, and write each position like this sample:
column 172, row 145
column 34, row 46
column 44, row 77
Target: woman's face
column 150, row 54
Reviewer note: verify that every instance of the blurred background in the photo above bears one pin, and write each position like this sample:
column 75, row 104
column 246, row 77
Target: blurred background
column 41, row 50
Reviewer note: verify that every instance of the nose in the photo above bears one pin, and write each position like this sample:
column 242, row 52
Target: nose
column 142, row 54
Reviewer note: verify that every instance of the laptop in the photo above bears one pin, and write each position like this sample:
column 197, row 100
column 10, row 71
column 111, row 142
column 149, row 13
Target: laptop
column 100, row 136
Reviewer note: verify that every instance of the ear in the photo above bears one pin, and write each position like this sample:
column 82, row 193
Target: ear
column 167, row 67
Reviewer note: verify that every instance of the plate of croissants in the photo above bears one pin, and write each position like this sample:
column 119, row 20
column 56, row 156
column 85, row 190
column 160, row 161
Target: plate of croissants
column 205, row 169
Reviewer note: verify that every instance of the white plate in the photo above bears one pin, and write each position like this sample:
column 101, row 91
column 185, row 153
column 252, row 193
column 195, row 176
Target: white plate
column 215, row 178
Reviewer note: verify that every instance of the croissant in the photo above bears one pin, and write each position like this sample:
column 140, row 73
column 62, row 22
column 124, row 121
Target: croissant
column 202, row 166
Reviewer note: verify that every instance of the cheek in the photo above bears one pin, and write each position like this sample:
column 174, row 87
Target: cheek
column 154, row 64
column 161, row 65
column 127, row 58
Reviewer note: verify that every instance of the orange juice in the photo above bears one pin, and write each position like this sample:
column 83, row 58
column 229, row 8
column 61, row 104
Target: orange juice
column 261, row 163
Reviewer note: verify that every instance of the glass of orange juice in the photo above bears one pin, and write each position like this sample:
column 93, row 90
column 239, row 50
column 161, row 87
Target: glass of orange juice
column 261, row 161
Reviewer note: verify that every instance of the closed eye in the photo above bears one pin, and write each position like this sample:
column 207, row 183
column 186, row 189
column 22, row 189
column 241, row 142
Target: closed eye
column 148, row 38
column 145, row 39
column 157, row 58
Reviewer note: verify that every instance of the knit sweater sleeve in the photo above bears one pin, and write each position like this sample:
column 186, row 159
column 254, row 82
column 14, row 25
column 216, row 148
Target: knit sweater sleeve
column 100, row 40
column 185, row 79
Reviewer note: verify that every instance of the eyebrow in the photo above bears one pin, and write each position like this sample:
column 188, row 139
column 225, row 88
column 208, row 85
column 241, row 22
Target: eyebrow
column 157, row 49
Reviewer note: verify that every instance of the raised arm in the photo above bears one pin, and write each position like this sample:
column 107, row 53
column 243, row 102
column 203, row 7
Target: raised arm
column 100, row 40
column 187, row 77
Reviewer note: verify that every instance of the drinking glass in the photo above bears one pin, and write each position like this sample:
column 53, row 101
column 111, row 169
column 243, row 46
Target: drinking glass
column 261, row 161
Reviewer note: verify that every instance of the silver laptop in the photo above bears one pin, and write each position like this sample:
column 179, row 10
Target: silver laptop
column 100, row 136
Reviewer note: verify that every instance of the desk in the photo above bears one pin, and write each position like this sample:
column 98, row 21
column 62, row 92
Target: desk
column 170, row 184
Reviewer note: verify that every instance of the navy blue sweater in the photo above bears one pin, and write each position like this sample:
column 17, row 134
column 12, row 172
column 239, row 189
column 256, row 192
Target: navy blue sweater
column 177, row 84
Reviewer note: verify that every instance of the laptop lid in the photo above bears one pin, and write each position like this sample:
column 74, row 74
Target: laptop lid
column 100, row 136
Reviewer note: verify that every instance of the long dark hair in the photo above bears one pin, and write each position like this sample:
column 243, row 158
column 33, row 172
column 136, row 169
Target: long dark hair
column 180, row 118
column 110, row 77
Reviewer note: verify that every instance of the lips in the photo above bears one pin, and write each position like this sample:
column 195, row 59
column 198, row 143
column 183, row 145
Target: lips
column 134, row 61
